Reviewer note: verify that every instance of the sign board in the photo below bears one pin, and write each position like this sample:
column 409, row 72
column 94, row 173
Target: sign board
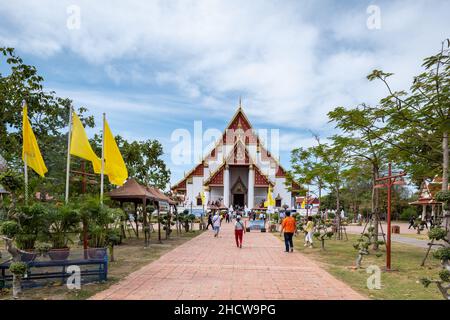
column 256, row 224
column 311, row 212
column 194, row 211
column 164, row 206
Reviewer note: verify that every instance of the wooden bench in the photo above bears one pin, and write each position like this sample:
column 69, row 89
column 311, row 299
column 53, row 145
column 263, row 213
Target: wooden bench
column 33, row 273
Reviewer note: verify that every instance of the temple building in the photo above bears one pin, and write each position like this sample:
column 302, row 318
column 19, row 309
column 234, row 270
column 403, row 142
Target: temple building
column 427, row 198
column 236, row 172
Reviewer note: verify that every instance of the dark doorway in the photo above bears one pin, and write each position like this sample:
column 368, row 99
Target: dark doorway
column 238, row 199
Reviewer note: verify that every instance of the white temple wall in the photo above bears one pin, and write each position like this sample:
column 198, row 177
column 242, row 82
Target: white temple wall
column 281, row 189
column 260, row 194
column 189, row 194
column 216, row 193
column 193, row 189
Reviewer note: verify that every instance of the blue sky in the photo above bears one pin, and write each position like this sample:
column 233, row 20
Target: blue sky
column 159, row 66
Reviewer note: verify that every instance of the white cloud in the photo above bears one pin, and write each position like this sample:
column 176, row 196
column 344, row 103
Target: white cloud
column 284, row 63
column 292, row 63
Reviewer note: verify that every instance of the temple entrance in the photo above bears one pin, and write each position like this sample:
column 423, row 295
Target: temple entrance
column 238, row 199
column 239, row 191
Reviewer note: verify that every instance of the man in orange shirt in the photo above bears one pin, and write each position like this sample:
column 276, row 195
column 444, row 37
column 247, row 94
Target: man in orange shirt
column 289, row 226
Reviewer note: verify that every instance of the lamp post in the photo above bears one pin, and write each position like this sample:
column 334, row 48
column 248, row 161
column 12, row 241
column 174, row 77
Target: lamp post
column 389, row 181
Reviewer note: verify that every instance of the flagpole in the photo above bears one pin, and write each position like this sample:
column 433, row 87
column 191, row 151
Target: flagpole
column 103, row 161
column 69, row 137
column 25, row 163
column 26, row 178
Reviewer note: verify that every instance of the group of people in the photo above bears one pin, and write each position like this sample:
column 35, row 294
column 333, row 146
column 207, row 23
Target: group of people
column 216, row 222
column 254, row 215
column 421, row 224
column 288, row 227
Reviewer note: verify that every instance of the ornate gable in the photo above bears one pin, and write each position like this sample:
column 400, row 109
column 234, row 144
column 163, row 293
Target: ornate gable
column 280, row 172
column 216, row 178
column 240, row 134
column 239, row 120
column 196, row 172
column 261, row 180
column 239, row 155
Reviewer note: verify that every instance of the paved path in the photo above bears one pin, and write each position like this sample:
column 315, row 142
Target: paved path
column 420, row 243
column 210, row 268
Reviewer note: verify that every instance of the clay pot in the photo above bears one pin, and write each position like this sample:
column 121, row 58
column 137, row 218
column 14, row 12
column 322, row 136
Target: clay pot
column 59, row 254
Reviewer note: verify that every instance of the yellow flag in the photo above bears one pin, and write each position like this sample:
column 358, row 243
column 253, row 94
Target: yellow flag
column 270, row 202
column 114, row 165
column 304, row 203
column 30, row 147
column 203, row 198
column 80, row 146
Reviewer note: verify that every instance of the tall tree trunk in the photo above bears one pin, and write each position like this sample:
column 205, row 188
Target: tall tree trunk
column 320, row 197
column 445, row 153
column 375, row 205
column 445, row 161
column 338, row 214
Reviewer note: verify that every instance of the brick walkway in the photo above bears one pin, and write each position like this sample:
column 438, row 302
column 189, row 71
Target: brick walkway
column 210, row 268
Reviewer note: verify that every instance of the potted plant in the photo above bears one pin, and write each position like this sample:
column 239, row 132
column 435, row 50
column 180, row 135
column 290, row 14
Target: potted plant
column 32, row 225
column 18, row 270
column 102, row 220
column 61, row 221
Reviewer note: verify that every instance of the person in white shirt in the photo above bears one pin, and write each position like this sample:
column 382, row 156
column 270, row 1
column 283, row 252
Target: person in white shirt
column 216, row 220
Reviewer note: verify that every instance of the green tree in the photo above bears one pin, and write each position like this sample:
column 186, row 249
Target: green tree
column 328, row 167
column 307, row 168
column 143, row 160
column 362, row 142
column 48, row 115
column 419, row 120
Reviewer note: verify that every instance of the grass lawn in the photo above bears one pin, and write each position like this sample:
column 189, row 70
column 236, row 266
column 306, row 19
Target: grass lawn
column 129, row 256
column 422, row 236
column 402, row 284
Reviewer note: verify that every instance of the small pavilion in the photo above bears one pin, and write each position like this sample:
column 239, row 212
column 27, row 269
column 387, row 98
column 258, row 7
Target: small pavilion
column 133, row 192
column 427, row 198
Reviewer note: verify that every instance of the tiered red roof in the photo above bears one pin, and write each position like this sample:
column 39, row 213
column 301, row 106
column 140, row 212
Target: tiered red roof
column 427, row 192
column 261, row 180
column 239, row 121
column 310, row 200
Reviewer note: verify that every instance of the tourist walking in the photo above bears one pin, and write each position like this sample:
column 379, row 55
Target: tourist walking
column 359, row 217
column 309, row 231
column 412, row 219
column 239, row 230
column 282, row 216
column 289, row 227
column 216, row 220
column 209, row 222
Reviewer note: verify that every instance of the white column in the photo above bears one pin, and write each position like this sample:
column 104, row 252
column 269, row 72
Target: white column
column 251, row 187
column 226, row 187
column 424, row 212
column 207, row 197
